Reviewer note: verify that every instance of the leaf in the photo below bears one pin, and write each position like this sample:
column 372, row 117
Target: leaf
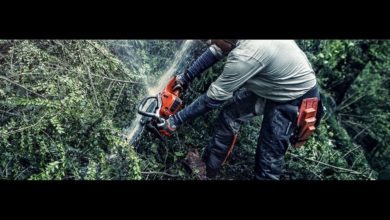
column 179, row 154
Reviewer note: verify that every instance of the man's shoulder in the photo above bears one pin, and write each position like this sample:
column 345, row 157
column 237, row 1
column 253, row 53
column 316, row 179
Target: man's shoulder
column 256, row 49
column 263, row 43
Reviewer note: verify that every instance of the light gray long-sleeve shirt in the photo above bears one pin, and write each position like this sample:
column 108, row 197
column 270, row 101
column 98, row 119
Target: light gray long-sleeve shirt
column 273, row 69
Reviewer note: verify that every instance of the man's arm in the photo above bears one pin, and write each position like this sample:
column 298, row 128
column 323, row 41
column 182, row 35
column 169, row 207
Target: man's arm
column 237, row 71
column 212, row 55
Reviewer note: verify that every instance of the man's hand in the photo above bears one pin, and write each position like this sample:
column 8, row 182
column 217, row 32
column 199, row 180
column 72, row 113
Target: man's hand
column 180, row 84
column 167, row 126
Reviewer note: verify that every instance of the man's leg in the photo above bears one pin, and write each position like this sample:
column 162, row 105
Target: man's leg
column 244, row 106
column 278, row 124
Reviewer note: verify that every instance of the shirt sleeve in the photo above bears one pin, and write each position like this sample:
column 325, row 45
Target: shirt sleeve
column 216, row 51
column 237, row 70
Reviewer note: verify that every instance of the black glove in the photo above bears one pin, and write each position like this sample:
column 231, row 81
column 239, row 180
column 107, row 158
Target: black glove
column 180, row 83
column 167, row 126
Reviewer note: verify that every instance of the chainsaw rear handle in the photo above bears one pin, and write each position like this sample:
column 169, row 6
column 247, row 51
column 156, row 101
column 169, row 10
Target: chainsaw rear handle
column 148, row 114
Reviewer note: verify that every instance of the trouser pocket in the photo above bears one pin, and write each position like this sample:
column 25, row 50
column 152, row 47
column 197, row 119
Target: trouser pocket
column 277, row 128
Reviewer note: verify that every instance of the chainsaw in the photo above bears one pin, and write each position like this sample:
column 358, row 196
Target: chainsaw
column 156, row 109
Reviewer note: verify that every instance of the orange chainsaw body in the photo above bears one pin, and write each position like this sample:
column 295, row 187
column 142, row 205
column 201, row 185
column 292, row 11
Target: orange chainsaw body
column 170, row 101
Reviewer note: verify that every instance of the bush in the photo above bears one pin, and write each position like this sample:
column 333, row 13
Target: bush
column 62, row 106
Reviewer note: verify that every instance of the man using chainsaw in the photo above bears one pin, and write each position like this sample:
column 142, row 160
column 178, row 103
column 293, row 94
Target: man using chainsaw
column 260, row 77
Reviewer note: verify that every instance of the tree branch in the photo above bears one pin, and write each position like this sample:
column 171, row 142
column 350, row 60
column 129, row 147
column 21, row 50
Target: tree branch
column 329, row 165
column 344, row 104
column 90, row 80
column 98, row 49
column 6, row 79
column 10, row 113
column 16, row 178
column 160, row 173
column 104, row 77
column 115, row 80
column 24, row 128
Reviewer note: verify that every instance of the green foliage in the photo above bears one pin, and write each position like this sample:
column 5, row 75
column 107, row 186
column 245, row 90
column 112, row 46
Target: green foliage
column 365, row 108
column 355, row 74
column 62, row 105
column 150, row 57
column 319, row 159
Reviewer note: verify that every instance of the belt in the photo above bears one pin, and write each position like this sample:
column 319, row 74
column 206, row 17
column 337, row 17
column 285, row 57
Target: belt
column 313, row 92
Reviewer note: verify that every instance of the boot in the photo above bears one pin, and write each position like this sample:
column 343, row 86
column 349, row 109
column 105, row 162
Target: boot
column 195, row 164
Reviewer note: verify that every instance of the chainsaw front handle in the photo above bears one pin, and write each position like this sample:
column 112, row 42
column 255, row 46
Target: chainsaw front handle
column 149, row 114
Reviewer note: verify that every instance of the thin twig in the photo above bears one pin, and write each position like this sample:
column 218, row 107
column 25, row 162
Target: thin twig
column 93, row 87
column 93, row 45
column 358, row 116
column 115, row 80
column 24, row 74
column 54, row 143
column 358, row 158
column 350, row 151
column 362, row 131
column 310, row 170
column 21, row 86
column 104, row 77
column 354, row 123
column 21, row 173
column 10, row 113
column 90, row 79
column 120, row 94
column 6, row 168
column 11, row 63
column 24, row 128
column 108, row 91
column 160, row 173
column 344, row 104
column 329, row 165
column 369, row 176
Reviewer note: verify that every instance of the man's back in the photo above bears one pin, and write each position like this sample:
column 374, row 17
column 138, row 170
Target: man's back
column 273, row 69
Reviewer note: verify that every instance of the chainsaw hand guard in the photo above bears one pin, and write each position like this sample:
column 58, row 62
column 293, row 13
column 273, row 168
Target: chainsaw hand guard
column 150, row 112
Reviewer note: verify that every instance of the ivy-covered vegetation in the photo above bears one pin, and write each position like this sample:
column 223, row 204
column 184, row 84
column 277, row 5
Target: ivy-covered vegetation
column 62, row 104
column 65, row 103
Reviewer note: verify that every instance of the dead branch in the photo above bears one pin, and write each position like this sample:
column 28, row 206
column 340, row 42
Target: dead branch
column 345, row 104
column 329, row 165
